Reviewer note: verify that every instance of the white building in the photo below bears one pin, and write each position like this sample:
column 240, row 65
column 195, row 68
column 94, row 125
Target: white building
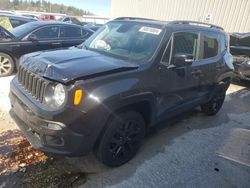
column 232, row 15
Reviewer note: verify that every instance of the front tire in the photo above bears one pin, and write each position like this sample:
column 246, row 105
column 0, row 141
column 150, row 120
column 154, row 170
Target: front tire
column 121, row 139
column 214, row 105
column 7, row 65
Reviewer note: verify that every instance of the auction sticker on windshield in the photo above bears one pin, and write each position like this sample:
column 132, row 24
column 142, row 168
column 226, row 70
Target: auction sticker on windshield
column 151, row 30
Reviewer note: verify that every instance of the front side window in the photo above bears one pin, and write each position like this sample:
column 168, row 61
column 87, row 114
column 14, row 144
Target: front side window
column 126, row 40
column 211, row 46
column 70, row 32
column 184, row 43
column 50, row 32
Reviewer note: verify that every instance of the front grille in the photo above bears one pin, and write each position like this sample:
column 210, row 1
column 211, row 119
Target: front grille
column 32, row 83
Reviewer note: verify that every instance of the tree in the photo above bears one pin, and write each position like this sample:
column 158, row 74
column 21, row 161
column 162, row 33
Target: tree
column 46, row 6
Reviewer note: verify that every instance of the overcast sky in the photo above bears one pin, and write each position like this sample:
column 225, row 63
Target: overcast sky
column 98, row 7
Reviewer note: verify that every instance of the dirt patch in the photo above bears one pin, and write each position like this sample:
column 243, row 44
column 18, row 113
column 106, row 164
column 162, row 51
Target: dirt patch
column 23, row 166
column 16, row 152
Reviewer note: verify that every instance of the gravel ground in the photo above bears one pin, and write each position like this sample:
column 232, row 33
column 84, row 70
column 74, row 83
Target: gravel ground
column 193, row 151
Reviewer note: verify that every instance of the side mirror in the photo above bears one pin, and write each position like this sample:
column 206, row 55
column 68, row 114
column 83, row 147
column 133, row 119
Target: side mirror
column 33, row 37
column 183, row 58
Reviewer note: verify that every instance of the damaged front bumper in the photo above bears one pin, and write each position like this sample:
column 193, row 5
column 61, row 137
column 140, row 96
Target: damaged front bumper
column 49, row 133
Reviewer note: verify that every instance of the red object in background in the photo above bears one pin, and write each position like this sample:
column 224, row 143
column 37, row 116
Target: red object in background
column 47, row 17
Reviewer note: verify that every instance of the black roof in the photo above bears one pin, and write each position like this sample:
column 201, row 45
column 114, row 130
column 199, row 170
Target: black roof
column 186, row 23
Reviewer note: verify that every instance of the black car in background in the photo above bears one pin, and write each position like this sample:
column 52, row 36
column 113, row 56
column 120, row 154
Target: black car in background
column 16, row 20
column 36, row 36
column 240, row 49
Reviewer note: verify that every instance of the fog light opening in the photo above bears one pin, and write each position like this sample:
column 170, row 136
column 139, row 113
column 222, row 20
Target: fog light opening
column 54, row 141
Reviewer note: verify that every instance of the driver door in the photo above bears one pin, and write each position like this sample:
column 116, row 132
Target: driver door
column 178, row 81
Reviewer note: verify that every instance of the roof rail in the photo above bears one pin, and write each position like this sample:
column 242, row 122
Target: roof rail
column 195, row 23
column 133, row 18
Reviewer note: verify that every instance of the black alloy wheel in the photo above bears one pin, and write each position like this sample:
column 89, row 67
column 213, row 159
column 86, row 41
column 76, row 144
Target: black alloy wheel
column 122, row 139
column 216, row 102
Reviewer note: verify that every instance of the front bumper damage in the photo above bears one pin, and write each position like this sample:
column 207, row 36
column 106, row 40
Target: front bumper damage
column 67, row 132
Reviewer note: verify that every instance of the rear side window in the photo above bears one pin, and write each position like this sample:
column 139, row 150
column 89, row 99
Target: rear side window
column 50, row 32
column 211, row 46
column 185, row 43
column 70, row 32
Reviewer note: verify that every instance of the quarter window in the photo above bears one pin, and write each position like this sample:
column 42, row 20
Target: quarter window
column 70, row 32
column 211, row 46
column 50, row 32
column 167, row 52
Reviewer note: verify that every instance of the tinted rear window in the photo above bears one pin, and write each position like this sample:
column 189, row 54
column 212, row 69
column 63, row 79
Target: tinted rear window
column 70, row 32
column 211, row 46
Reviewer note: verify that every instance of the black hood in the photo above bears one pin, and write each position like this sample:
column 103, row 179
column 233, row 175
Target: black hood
column 71, row 64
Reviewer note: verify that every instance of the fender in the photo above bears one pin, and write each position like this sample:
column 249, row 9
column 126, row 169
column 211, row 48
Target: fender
column 116, row 95
column 225, row 76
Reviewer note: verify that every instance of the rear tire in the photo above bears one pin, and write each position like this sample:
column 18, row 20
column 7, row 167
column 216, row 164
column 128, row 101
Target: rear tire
column 121, row 139
column 7, row 65
column 214, row 105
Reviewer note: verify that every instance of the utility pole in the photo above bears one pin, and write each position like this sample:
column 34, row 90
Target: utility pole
column 41, row 4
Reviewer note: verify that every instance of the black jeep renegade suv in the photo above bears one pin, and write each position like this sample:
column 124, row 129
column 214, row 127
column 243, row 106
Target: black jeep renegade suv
column 128, row 76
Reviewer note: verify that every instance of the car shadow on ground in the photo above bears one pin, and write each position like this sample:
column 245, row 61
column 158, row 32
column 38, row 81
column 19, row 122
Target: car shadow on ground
column 23, row 166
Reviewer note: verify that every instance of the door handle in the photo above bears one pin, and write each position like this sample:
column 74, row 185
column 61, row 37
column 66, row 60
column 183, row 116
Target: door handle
column 56, row 43
column 15, row 45
column 196, row 72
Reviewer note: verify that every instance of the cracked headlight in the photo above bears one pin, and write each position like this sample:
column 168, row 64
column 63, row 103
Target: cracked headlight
column 55, row 95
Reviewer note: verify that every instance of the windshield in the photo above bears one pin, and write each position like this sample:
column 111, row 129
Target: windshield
column 23, row 29
column 126, row 40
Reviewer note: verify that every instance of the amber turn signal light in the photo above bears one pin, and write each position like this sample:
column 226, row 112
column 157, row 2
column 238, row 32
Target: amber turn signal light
column 77, row 97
